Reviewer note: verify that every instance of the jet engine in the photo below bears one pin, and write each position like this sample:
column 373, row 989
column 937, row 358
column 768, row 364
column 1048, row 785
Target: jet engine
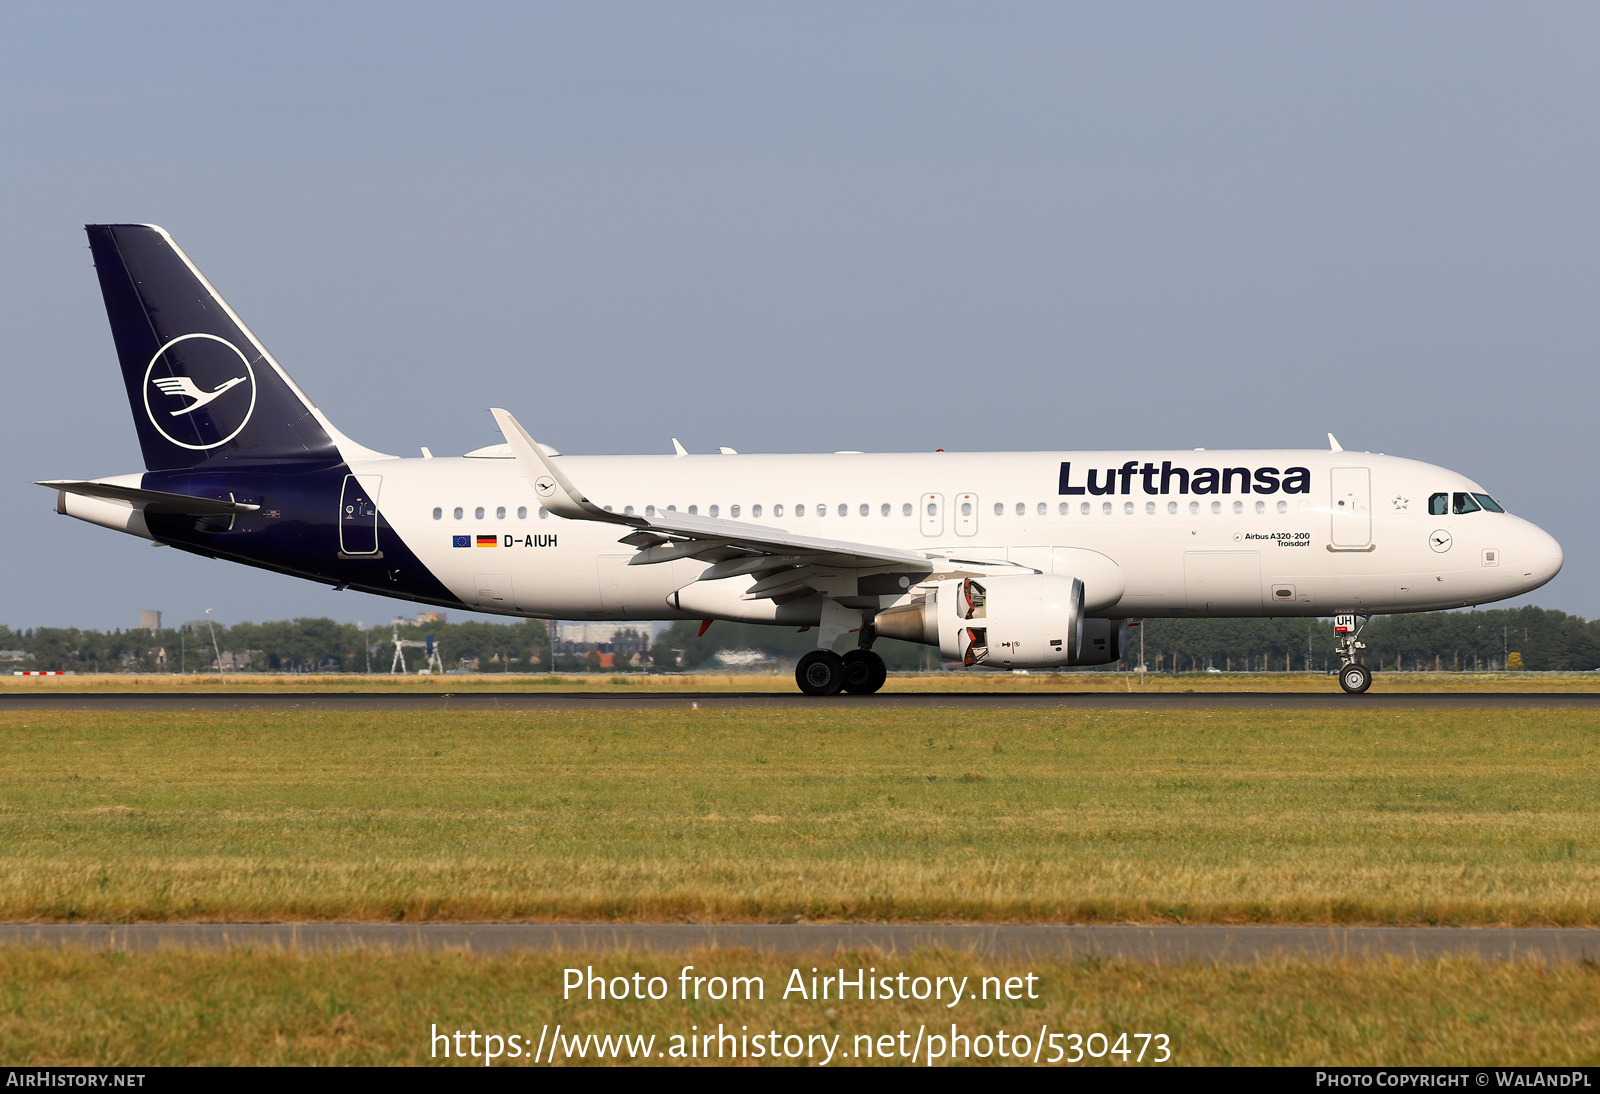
column 1103, row 641
column 1013, row 621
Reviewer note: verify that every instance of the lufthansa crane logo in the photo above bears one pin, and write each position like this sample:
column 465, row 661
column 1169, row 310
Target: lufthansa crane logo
column 199, row 391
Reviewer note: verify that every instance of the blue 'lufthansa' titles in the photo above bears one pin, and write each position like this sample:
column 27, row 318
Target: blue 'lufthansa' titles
column 1204, row 480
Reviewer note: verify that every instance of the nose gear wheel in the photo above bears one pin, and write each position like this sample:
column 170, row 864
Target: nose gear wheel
column 1355, row 679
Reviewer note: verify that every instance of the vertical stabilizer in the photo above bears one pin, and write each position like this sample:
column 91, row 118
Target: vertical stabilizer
column 203, row 390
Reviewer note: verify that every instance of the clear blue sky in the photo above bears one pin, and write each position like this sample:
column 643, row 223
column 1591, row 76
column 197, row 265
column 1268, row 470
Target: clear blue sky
column 788, row 227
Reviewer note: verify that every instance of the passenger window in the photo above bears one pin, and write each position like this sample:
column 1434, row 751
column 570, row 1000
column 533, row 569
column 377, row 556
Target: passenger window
column 1194, row 508
column 1106, row 509
column 1465, row 504
column 1216, row 507
column 1283, row 507
column 1043, row 508
column 1127, row 508
column 822, row 510
column 1261, row 507
column 628, row 509
column 714, row 510
column 694, row 510
column 672, row 508
column 542, row 513
column 755, row 510
column 477, row 514
column 1022, row 508
column 733, row 511
column 866, row 510
column 777, row 510
column 966, row 508
column 999, row 508
column 438, row 514
column 457, row 512
column 799, row 511
column 500, row 513
column 1065, row 508
column 844, row 510
column 1238, row 508
column 1150, row 508
column 1084, row 508
column 522, row 511
column 883, row 510
column 649, row 510
column 1489, row 503
column 1438, row 505
column 905, row 510
column 1172, row 508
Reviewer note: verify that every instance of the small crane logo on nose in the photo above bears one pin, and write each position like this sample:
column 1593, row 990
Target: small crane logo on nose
column 1440, row 541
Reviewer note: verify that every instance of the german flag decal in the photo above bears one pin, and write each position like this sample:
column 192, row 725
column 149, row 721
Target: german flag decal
column 488, row 541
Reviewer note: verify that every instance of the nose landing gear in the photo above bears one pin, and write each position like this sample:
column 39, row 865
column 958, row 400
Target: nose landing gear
column 1354, row 677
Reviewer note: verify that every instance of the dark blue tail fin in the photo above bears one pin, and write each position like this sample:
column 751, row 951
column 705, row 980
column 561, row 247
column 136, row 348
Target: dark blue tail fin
column 204, row 391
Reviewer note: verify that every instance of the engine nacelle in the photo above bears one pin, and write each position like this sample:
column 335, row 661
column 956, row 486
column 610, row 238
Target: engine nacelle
column 1020, row 621
column 1103, row 641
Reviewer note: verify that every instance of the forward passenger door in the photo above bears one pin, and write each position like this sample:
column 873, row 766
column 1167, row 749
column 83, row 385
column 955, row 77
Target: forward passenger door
column 1351, row 506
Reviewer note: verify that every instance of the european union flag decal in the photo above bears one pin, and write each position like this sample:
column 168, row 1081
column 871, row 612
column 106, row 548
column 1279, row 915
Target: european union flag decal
column 461, row 541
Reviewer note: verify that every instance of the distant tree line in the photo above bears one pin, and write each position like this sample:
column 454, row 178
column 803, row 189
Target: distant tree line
column 292, row 645
column 1539, row 639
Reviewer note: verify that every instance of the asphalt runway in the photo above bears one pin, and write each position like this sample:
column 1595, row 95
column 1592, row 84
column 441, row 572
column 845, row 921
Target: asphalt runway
column 590, row 700
column 1157, row 945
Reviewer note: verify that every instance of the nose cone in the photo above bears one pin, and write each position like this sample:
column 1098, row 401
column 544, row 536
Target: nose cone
column 1538, row 557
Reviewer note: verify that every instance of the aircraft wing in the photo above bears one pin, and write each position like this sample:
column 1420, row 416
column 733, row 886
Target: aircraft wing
column 152, row 501
column 780, row 562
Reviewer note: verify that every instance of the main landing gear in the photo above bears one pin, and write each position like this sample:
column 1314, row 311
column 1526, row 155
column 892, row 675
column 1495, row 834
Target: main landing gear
column 1354, row 677
column 864, row 672
column 859, row 671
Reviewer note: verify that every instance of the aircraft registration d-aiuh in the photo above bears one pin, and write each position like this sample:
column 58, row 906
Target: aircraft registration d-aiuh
column 1004, row 559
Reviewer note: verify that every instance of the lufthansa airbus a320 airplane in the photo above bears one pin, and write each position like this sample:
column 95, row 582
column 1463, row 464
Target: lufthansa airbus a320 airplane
column 1007, row 559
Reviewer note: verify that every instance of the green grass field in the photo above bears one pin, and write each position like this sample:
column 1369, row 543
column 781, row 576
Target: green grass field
column 76, row 1007
column 1457, row 816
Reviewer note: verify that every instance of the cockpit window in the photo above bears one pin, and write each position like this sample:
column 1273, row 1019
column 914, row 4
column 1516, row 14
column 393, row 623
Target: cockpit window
column 1489, row 503
column 1439, row 505
column 1465, row 504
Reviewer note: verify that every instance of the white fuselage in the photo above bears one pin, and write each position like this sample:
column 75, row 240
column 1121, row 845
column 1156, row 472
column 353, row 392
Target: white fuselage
column 1357, row 535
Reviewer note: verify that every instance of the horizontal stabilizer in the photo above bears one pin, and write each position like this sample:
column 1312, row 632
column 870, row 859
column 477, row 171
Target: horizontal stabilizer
column 152, row 501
